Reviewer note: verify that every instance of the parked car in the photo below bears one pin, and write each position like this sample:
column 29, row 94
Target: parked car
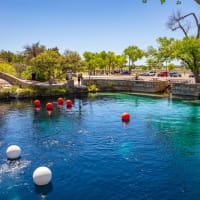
column 125, row 73
column 174, row 74
column 163, row 73
column 149, row 73
column 144, row 74
column 191, row 75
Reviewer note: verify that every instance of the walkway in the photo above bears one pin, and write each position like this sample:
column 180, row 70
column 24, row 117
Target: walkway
column 4, row 83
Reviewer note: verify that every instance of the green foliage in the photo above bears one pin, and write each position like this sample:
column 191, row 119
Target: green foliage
column 7, row 68
column 47, row 64
column 53, row 92
column 92, row 87
column 32, row 51
column 26, row 74
column 7, row 56
column 15, row 91
column 133, row 53
column 104, row 61
column 72, row 60
column 8, row 92
column 188, row 51
column 171, row 67
column 25, row 92
column 110, row 85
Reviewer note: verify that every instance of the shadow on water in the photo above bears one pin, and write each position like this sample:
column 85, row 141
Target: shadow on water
column 43, row 190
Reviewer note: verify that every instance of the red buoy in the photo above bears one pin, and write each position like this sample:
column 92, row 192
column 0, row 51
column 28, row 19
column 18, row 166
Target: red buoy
column 37, row 103
column 49, row 106
column 60, row 101
column 125, row 117
column 69, row 103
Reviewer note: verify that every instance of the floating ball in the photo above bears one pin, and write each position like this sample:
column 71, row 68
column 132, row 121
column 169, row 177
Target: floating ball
column 42, row 176
column 69, row 103
column 13, row 152
column 49, row 106
column 37, row 103
column 60, row 101
column 125, row 117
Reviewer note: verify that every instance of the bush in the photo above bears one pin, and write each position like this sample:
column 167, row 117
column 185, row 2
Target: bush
column 7, row 68
column 92, row 87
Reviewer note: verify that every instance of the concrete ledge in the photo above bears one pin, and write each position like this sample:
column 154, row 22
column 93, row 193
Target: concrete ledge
column 128, row 85
column 186, row 89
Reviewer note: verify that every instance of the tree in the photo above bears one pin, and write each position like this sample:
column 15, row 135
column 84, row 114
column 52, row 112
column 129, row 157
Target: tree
column 47, row 64
column 152, row 60
column 72, row 60
column 178, row 21
column 120, row 61
column 7, row 56
column 90, row 62
column 188, row 51
column 110, row 61
column 7, row 68
column 165, row 50
column 32, row 51
column 133, row 53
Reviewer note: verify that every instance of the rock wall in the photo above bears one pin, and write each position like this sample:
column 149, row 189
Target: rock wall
column 13, row 80
column 185, row 89
column 128, row 85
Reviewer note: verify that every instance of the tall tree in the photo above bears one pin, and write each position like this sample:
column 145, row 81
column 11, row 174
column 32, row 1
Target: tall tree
column 165, row 50
column 152, row 59
column 188, row 51
column 133, row 53
column 34, row 50
column 90, row 61
column 47, row 64
column 188, row 55
column 177, row 21
column 72, row 60
column 7, row 56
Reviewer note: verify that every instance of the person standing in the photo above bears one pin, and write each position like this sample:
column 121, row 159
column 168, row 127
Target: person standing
column 79, row 79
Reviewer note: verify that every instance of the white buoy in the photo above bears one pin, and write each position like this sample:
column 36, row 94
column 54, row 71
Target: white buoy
column 13, row 152
column 42, row 176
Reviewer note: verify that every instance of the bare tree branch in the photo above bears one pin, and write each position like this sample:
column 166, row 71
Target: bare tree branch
column 176, row 22
column 198, row 1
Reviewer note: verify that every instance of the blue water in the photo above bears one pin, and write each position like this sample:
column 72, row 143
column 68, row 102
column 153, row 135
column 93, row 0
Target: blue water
column 93, row 155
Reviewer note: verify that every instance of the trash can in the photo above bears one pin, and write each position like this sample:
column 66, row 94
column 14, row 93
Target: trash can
column 33, row 76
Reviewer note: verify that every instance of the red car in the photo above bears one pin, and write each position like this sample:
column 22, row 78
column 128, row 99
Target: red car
column 164, row 73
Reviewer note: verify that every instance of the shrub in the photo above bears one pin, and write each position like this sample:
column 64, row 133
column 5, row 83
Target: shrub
column 7, row 68
column 92, row 87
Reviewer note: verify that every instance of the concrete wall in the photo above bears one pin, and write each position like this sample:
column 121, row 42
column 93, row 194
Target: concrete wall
column 26, row 83
column 184, row 89
column 13, row 80
column 128, row 85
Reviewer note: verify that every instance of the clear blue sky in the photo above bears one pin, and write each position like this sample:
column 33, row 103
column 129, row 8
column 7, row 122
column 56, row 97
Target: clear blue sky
column 86, row 25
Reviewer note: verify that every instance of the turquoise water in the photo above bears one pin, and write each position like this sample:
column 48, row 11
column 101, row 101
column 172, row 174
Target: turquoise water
column 93, row 155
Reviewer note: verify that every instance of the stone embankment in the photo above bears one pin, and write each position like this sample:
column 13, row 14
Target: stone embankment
column 127, row 85
column 179, row 87
column 28, row 83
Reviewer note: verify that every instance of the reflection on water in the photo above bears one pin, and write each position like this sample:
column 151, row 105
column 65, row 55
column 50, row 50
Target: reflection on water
column 89, row 149
column 43, row 191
